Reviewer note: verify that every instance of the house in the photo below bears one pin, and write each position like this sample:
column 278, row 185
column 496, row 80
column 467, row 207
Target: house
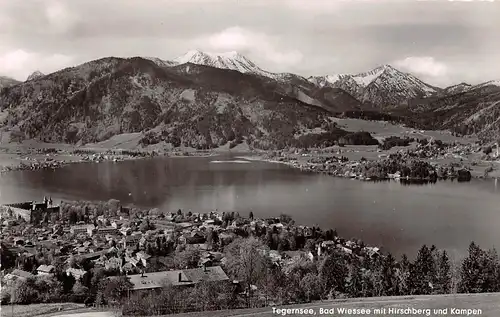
column 82, row 229
column 296, row 255
column 77, row 273
column 17, row 275
column 117, row 224
column 195, row 237
column 131, row 241
column 198, row 246
column 45, row 269
column 143, row 257
column 107, row 230
column 92, row 255
column 155, row 280
column 125, row 231
column 325, row 245
column 114, row 263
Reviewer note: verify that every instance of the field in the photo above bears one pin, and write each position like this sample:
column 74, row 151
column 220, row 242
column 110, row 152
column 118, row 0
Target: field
column 37, row 309
column 381, row 129
column 489, row 304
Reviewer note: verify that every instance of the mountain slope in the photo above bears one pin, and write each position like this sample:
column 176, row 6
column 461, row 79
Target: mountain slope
column 456, row 89
column 474, row 111
column 383, row 86
column 7, row 82
column 188, row 104
column 35, row 75
column 232, row 61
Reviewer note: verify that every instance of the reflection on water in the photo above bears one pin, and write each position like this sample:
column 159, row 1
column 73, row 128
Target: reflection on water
column 400, row 218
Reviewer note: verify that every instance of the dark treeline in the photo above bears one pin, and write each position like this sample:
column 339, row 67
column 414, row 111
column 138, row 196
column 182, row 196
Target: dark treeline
column 335, row 275
column 343, row 269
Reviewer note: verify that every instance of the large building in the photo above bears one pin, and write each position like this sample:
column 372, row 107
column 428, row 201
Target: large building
column 189, row 277
column 31, row 211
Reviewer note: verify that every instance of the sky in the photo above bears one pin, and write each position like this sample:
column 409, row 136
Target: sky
column 442, row 42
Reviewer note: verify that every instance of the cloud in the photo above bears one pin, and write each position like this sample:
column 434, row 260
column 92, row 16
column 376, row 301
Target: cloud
column 315, row 7
column 426, row 66
column 258, row 44
column 19, row 64
column 60, row 18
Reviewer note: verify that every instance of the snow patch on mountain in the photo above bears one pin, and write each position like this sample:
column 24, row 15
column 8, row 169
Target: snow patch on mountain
column 456, row 89
column 35, row 75
column 229, row 60
column 364, row 79
column 488, row 83
column 383, row 85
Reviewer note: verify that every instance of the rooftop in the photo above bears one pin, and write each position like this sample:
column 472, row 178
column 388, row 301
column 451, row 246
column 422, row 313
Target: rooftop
column 188, row 277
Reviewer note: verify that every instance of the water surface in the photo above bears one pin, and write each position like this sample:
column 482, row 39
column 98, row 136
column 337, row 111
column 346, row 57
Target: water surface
column 396, row 217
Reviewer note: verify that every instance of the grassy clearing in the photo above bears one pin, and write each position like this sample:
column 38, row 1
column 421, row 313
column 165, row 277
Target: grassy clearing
column 37, row 309
column 381, row 129
column 488, row 303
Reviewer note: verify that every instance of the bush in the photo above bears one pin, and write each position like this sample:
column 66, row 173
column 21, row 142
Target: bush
column 393, row 141
column 487, row 150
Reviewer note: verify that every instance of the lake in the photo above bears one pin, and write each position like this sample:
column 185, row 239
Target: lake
column 396, row 217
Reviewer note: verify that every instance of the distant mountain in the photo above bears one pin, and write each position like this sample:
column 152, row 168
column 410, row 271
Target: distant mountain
column 161, row 62
column 383, row 86
column 7, row 82
column 191, row 105
column 456, row 89
column 293, row 86
column 35, row 75
column 171, row 99
column 475, row 110
column 232, row 61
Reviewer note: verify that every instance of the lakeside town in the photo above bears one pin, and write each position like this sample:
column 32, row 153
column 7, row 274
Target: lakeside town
column 147, row 262
column 394, row 158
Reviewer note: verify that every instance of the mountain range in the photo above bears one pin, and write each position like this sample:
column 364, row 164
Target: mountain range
column 205, row 100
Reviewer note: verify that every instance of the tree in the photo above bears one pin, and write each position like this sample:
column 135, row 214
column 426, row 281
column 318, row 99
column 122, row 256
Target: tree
column 187, row 259
column 311, row 286
column 245, row 261
column 116, row 288
column 286, row 219
column 144, row 226
column 333, row 272
column 471, row 273
column 389, row 278
column 24, row 291
column 422, row 272
column 79, row 290
column 491, row 271
column 355, row 280
column 73, row 216
column 8, row 259
column 443, row 276
column 403, row 276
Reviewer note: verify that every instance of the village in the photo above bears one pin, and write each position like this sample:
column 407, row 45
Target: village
column 425, row 160
column 149, row 247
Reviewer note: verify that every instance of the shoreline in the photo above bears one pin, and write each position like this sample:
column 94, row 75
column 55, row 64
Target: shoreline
column 346, row 169
column 17, row 157
column 51, row 157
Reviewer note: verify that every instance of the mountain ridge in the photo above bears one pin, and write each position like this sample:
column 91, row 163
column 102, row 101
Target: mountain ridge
column 149, row 79
column 96, row 100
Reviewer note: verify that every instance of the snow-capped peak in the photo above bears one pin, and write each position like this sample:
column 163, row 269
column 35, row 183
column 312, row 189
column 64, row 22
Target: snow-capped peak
column 228, row 60
column 35, row 75
column 493, row 83
column 381, row 85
